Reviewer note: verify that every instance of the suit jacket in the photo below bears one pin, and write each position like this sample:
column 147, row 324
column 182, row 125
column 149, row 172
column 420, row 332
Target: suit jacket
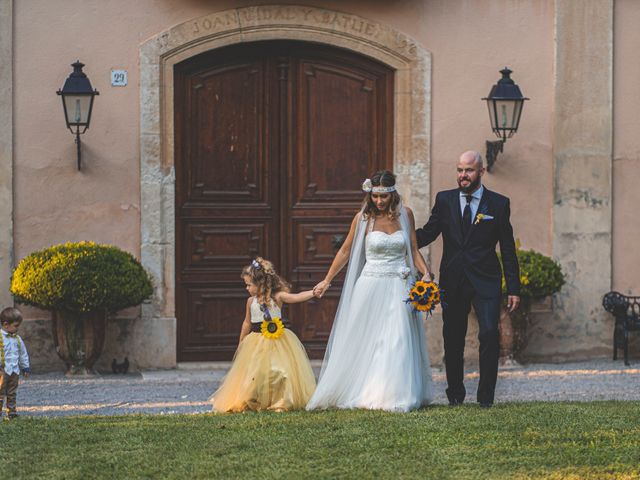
column 474, row 255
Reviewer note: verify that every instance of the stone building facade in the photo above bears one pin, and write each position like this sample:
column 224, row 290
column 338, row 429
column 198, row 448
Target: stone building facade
column 569, row 171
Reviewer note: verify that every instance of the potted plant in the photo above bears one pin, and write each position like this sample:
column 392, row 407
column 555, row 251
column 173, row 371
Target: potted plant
column 80, row 283
column 540, row 276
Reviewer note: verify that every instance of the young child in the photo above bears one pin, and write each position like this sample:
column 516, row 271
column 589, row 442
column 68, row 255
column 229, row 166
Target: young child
column 13, row 358
column 270, row 370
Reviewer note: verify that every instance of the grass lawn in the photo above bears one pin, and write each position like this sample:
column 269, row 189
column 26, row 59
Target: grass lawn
column 598, row 440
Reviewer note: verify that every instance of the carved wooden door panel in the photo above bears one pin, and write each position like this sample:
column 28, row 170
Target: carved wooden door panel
column 342, row 126
column 272, row 140
column 227, row 193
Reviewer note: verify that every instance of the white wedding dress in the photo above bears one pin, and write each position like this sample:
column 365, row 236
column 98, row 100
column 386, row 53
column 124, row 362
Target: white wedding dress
column 378, row 357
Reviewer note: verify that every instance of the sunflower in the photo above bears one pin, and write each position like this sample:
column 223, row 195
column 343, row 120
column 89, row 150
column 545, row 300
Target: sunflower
column 272, row 328
column 424, row 296
column 420, row 287
column 424, row 306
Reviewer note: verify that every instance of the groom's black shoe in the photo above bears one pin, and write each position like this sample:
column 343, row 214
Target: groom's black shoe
column 455, row 402
column 486, row 404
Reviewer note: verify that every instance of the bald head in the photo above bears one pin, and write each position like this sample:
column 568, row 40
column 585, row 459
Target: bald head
column 470, row 170
column 471, row 157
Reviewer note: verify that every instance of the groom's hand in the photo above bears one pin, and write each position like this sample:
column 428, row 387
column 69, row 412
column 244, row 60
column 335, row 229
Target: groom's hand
column 512, row 303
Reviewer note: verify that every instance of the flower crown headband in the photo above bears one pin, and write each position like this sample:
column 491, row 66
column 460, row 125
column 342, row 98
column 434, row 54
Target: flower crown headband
column 368, row 187
column 255, row 264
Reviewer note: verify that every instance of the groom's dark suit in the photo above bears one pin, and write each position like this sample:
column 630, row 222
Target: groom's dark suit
column 470, row 274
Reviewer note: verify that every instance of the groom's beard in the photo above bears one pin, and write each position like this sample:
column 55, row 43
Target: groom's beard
column 472, row 187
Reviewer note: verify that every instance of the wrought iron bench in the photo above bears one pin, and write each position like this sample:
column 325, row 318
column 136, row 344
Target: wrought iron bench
column 626, row 310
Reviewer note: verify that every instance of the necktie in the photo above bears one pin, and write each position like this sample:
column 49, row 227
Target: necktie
column 466, row 216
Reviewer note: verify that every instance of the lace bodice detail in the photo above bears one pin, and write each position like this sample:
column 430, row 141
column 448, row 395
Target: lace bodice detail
column 385, row 255
column 256, row 314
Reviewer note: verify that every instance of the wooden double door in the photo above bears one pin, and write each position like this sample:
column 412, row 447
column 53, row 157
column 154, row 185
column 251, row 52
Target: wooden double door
column 272, row 142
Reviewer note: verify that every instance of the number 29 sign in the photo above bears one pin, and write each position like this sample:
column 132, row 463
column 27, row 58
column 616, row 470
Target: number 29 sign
column 118, row 78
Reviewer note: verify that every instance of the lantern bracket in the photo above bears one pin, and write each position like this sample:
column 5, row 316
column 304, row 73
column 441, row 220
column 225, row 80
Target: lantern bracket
column 493, row 148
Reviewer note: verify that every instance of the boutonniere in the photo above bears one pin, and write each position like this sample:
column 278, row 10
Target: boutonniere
column 481, row 217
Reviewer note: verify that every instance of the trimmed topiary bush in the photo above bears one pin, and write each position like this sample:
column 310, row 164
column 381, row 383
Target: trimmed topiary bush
column 81, row 277
column 539, row 275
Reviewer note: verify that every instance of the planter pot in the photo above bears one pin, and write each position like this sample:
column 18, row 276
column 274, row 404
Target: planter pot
column 79, row 339
column 513, row 333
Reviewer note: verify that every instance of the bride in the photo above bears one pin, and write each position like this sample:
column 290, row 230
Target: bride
column 376, row 356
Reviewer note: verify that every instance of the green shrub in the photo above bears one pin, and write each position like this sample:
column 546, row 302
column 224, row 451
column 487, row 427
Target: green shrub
column 539, row 275
column 81, row 277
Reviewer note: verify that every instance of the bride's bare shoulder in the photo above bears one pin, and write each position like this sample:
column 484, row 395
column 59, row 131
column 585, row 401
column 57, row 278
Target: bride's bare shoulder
column 409, row 211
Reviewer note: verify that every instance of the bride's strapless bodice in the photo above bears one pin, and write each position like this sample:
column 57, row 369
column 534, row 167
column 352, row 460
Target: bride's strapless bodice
column 385, row 255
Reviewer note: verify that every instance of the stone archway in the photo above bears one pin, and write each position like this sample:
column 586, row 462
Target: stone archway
column 158, row 55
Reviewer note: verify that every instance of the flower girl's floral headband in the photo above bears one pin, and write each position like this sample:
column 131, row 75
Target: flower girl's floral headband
column 368, row 187
column 255, row 264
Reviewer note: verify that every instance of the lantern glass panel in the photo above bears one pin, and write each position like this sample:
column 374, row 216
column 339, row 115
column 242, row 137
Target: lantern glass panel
column 505, row 111
column 517, row 111
column 492, row 113
column 77, row 109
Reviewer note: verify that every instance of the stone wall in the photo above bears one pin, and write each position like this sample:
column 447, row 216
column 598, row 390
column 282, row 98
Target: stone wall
column 582, row 150
column 6, row 147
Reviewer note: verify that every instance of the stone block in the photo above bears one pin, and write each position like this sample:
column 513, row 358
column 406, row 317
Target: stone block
column 146, row 342
column 38, row 338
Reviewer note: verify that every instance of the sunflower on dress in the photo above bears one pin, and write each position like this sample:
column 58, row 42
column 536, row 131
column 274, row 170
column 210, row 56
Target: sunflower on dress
column 270, row 370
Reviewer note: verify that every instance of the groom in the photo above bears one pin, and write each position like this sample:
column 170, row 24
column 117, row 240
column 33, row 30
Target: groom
column 472, row 220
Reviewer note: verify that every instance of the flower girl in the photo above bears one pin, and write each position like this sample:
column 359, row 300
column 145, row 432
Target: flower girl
column 270, row 370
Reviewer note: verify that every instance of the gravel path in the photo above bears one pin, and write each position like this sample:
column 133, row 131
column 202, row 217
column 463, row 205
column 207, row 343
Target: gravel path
column 186, row 391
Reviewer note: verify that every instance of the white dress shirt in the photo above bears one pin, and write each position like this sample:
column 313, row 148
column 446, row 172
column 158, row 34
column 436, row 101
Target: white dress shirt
column 15, row 354
column 475, row 202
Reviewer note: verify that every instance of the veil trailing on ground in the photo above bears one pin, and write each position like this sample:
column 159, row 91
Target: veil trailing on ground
column 342, row 322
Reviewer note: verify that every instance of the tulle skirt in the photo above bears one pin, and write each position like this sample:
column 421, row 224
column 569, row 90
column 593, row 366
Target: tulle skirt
column 266, row 374
column 380, row 361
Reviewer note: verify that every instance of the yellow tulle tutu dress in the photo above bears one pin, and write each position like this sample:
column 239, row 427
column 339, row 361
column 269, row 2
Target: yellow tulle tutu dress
column 267, row 373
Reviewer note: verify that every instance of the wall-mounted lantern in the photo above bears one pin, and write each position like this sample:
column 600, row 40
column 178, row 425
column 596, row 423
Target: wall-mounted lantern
column 505, row 102
column 77, row 101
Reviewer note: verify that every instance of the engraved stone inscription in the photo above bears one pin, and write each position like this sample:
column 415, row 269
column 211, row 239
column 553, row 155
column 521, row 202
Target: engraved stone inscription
column 251, row 18
column 213, row 23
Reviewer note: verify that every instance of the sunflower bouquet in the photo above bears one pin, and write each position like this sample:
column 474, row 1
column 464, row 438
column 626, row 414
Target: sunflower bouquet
column 424, row 296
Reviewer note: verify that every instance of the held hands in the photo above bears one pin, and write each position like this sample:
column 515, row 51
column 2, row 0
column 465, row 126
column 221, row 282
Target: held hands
column 512, row 303
column 320, row 289
column 428, row 277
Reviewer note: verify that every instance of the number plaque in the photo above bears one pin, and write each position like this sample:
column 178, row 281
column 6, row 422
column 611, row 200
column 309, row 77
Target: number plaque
column 118, row 78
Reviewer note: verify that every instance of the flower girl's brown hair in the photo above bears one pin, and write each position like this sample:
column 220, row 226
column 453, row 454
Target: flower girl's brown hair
column 264, row 277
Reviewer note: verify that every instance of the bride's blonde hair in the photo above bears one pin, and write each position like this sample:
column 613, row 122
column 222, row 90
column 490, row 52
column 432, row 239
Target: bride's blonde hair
column 264, row 277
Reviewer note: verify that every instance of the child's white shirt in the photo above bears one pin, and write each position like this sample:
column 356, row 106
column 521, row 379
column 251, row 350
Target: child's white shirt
column 15, row 353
